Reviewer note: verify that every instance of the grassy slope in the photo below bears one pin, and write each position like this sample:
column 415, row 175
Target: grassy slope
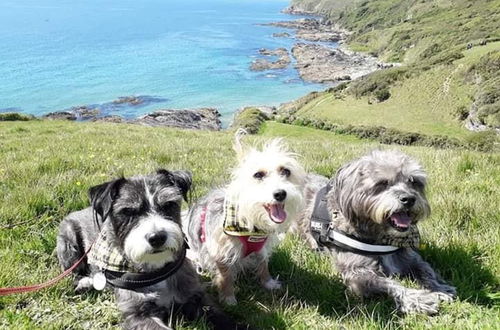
column 424, row 103
column 46, row 168
column 420, row 34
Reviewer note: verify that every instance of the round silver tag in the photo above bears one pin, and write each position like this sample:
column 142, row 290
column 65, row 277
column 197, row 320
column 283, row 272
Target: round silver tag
column 99, row 281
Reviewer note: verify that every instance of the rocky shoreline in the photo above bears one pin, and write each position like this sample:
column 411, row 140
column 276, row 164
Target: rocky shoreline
column 315, row 60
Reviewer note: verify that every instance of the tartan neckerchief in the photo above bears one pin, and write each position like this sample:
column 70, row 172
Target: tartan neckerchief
column 106, row 255
column 120, row 273
column 238, row 226
column 252, row 239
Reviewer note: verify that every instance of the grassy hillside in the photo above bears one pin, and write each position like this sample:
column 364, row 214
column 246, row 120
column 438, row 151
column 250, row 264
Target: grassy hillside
column 441, row 80
column 47, row 167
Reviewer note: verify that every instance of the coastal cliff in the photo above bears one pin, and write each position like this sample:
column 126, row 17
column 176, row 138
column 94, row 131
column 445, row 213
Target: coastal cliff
column 448, row 53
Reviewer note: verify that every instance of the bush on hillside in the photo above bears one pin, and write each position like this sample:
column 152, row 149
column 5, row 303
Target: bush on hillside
column 250, row 119
column 382, row 94
column 15, row 116
column 378, row 81
column 482, row 141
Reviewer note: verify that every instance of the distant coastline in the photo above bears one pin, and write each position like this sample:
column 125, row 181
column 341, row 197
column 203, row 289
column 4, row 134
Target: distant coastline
column 317, row 53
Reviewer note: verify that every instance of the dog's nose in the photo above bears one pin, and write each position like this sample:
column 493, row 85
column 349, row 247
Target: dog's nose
column 407, row 200
column 279, row 195
column 157, row 239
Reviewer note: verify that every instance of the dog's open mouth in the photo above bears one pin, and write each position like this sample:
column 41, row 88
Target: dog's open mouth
column 276, row 212
column 401, row 221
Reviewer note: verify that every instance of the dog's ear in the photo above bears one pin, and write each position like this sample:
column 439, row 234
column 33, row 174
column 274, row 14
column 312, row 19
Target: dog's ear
column 182, row 179
column 238, row 146
column 103, row 195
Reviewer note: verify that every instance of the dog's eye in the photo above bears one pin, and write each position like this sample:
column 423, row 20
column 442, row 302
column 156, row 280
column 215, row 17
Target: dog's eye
column 415, row 182
column 259, row 175
column 129, row 212
column 285, row 172
column 382, row 183
column 169, row 205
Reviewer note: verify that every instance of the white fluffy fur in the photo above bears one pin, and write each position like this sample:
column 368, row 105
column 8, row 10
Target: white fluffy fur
column 251, row 195
column 138, row 249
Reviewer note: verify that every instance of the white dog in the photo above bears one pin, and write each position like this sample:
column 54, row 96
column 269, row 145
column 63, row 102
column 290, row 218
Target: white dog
column 236, row 227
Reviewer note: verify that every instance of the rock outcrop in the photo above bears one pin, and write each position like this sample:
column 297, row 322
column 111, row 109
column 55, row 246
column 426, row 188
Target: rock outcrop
column 320, row 64
column 312, row 29
column 203, row 118
column 262, row 64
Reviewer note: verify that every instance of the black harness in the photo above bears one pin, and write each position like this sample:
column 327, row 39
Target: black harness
column 130, row 281
column 323, row 232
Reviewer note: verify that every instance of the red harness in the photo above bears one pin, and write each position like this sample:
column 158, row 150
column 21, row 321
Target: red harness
column 250, row 243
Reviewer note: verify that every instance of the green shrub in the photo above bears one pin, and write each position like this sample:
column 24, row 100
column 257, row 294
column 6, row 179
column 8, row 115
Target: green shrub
column 483, row 141
column 462, row 112
column 250, row 119
column 382, row 94
column 15, row 116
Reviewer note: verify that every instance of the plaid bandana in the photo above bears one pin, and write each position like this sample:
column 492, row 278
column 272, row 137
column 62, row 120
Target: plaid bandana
column 410, row 240
column 108, row 256
column 238, row 226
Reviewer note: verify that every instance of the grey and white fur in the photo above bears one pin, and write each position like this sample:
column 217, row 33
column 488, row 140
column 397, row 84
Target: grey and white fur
column 141, row 215
column 264, row 180
column 373, row 193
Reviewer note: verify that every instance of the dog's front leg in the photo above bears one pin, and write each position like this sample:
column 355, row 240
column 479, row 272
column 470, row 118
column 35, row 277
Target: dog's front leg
column 224, row 280
column 264, row 276
column 366, row 282
column 429, row 279
column 140, row 322
column 200, row 305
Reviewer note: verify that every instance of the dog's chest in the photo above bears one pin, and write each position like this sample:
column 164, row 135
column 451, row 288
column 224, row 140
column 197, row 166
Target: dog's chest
column 167, row 293
column 393, row 265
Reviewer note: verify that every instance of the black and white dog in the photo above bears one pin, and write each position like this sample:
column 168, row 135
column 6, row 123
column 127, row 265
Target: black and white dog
column 139, row 250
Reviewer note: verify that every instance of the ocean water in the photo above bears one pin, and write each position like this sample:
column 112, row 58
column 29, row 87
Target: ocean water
column 55, row 54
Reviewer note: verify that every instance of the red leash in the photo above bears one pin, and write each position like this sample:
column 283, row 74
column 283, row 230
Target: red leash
column 36, row 287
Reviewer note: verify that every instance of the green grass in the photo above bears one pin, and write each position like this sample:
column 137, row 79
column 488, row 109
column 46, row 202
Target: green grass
column 47, row 167
column 427, row 102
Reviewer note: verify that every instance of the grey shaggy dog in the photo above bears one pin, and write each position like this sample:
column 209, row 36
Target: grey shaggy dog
column 378, row 195
column 141, row 217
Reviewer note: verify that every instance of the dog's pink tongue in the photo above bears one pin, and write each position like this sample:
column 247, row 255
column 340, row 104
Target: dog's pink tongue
column 277, row 212
column 401, row 219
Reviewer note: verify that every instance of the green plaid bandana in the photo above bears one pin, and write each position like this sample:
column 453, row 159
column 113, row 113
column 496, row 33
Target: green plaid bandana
column 410, row 240
column 108, row 256
column 237, row 226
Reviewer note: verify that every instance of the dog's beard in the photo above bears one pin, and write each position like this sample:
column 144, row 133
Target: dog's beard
column 139, row 251
column 386, row 209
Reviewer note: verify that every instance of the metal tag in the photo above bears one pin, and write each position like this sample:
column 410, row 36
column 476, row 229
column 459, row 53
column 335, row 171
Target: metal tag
column 99, row 281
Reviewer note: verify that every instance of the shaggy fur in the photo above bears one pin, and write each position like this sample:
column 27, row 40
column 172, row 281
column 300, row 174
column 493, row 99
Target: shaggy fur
column 370, row 192
column 263, row 178
column 141, row 215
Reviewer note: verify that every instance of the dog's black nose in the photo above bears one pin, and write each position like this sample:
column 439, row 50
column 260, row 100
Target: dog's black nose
column 157, row 239
column 407, row 200
column 279, row 195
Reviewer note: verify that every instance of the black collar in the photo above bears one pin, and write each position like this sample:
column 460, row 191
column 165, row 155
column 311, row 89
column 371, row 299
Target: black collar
column 130, row 281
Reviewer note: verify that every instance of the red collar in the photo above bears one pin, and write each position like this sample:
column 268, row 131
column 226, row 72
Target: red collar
column 250, row 243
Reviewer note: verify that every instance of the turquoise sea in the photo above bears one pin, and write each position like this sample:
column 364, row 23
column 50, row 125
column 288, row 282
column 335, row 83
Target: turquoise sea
column 55, row 54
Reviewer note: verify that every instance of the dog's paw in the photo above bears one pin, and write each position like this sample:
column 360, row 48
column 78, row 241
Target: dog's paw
column 447, row 291
column 84, row 284
column 272, row 284
column 230, row 300
column 420, row 302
